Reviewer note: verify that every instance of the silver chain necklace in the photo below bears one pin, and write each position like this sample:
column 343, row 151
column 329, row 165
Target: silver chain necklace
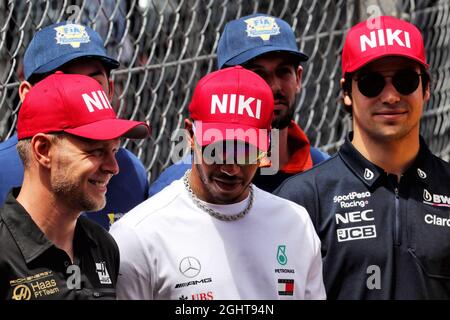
column 211, row 212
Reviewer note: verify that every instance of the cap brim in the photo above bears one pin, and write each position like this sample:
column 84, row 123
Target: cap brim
column 111, row 129
column 255, row 52
column 54, row 64
column 365, row 62
column 208, row 133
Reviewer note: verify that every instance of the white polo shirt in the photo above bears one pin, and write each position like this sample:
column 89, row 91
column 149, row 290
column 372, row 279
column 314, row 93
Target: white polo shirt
column 171, row 249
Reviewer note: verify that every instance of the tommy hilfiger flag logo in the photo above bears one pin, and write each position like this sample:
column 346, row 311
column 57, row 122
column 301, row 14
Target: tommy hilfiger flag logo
column 285, row 287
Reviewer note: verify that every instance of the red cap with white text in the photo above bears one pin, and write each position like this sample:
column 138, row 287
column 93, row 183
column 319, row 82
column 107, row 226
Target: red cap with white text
column 232, row 104
column 75, row 104
column 379, row 37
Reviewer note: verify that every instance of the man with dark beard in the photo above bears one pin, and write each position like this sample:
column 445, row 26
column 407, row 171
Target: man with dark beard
column 267, row 46
column 68, row 137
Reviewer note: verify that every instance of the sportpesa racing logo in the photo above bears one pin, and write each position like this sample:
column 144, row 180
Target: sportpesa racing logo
column 352, row 199
column 435, row 200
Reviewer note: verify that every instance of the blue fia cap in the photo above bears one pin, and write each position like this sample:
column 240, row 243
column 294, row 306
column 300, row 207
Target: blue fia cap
column 251, row 36
column 60, row 43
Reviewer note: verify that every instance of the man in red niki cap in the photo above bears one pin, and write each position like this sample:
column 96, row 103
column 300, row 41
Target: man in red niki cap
column 68, row 137
column 381, row 204
column 213, row 234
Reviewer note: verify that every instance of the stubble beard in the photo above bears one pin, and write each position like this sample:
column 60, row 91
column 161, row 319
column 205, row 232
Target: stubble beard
column 69, row 191
column 282, row 121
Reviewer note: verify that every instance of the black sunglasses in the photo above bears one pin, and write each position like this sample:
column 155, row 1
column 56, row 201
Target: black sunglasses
column 371, row 84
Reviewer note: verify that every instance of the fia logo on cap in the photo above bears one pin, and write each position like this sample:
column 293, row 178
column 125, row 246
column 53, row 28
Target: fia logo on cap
column 262, row 27
column 385, row 37
column 72, row 34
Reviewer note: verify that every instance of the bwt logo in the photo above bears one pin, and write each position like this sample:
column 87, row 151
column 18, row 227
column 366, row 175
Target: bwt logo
column 97, row 99
column 355, row 216
column 383, row 37
column 228, row 105
column 436, row 199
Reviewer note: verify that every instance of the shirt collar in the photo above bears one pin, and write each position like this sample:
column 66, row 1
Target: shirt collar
column 31, row 241
column 421, row 168
column 369, row 173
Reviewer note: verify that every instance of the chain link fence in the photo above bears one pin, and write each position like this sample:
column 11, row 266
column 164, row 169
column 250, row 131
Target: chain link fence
column 166, row 46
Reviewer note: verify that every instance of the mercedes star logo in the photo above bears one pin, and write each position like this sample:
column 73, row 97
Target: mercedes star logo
column 190, row 267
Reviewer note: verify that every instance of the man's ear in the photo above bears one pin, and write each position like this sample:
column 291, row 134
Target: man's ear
column 189, row 128
column 41, row 149
column 24, row 88
column 427, row 94
column 110, row 89
column 299, row 78
column 346, row 97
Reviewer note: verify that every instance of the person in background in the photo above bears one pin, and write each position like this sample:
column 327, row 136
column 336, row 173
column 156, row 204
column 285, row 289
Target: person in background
column 267, row 46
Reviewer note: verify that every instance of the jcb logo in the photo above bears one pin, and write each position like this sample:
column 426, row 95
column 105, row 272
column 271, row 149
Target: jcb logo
column 356, row 233
column 21, row 292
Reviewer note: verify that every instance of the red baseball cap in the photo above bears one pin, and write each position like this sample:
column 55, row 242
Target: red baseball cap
column 75, row 104
column 380, row 37
column 232, row 104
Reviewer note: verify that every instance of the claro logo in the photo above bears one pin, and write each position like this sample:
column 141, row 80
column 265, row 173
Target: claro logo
column 437, row 221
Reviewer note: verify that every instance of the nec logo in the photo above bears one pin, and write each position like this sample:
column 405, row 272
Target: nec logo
column 97, row 99
column 383, row 37
column 355, row 216
column 236, row 104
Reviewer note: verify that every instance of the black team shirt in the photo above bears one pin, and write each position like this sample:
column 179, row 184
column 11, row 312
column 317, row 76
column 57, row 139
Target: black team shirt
column 33, row 268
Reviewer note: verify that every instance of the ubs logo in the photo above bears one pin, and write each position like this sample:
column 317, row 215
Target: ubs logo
column 21, row 292
column 190, row 267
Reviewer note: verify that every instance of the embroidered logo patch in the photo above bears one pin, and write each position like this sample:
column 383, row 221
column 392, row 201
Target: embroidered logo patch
column 263, row 27
column 286, row 287
column 72, row 34
column 102, row 272
column 281, row 255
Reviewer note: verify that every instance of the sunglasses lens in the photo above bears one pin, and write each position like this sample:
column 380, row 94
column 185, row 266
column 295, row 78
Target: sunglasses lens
column 371, row 84
column 406, row 81
column 231, row 152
